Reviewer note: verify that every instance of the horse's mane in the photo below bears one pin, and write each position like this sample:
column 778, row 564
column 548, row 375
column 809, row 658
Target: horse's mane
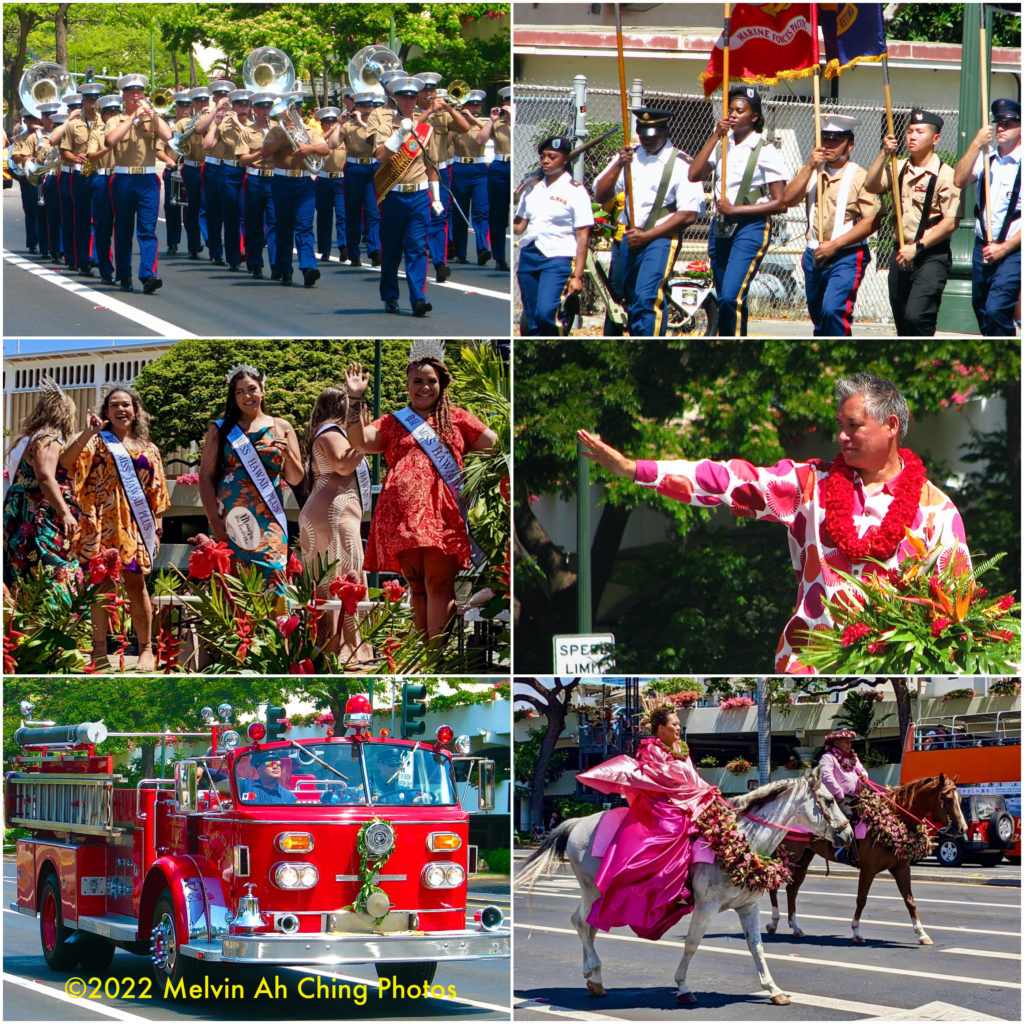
column 756, row 798
column 906, row 794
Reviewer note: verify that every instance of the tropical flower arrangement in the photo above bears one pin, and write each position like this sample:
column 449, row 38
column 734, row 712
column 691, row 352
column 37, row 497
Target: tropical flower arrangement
column 684, row 698
column 738, row 766
column 960, row 693
column 735, row 702
column 748, row 870
column 370, row 865
column 1005, row 687
column 885, row 826
column 918, row 619
column 697, row 270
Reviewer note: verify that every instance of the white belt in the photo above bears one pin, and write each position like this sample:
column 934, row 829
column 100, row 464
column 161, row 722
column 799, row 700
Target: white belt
column 103, row 171
column 332, row 174
column 193, row 163
column 285, row 172
column 502, row 157
column 260, row 172
column 418, row 186
column 470, row 160
column 362, row 160
column 227, row 163
column 135, row 170
column 443, row 164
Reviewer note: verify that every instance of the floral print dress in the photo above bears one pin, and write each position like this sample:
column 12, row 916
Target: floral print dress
column 33, row 534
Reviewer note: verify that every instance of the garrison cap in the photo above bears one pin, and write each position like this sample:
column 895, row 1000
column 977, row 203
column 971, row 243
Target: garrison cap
column 132, row 82
column 1005, row 110
column 918, row 116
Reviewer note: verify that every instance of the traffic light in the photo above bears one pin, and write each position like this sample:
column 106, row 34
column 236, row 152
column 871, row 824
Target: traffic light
column 275, row 723
column 414, row 696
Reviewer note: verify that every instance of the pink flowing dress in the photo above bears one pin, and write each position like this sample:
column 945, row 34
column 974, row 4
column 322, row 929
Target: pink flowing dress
column 643, row 875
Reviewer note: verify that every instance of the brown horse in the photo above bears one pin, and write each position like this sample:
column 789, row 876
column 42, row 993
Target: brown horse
column 935, row 800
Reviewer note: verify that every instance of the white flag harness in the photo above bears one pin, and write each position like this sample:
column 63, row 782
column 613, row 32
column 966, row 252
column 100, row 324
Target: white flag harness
column 130, row 483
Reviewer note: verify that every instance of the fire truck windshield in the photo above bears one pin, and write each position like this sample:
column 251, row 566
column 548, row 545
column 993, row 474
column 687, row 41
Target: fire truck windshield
column 341, row 772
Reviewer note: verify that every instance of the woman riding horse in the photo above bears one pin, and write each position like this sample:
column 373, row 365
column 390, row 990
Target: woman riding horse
column 643, row 875
column 844, row 775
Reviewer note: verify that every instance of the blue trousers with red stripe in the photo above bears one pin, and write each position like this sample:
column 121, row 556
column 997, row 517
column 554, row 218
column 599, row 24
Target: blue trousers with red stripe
column 67, row 217
column 405, row 220
column 30, row 207
column 260, row 224
column 103, row 224
column 294, row 206
column 499, row 199
column 51, row 204
column 469, row 183
column 437, row 235
column 195, row 212
column 361, row 213
column 734, row 262
column 214, row 214
column 230, row 185
column 172, row 212
column 832, row 290
column 81, row 199
column 330, row 205
column 136, row 199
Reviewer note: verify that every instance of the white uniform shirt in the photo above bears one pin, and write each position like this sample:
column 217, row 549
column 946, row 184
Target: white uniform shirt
column 769, row 167
column 1003, row 171
column 554, row 213
column 646, row 176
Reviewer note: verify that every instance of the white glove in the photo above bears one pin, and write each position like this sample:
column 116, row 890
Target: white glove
column 435, row 196
column 396, row 140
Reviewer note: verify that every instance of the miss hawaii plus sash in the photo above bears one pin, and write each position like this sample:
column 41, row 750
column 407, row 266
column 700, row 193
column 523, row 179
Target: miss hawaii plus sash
column 142, row 513
column 240, row 522
column 362, row 470
column 444, row 462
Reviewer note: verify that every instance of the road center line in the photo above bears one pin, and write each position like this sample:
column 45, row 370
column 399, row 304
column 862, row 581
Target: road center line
column 163, row 328
column 981, row 952
column 871, row 922
column 61, row 996
column 563, row 1011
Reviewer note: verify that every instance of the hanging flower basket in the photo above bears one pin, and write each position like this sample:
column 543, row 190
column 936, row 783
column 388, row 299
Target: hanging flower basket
column 739, row 766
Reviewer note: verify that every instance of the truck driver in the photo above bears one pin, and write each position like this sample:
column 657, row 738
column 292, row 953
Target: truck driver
column 266, row 788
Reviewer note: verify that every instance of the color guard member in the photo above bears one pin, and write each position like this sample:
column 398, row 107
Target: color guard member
column 330, row 187
column 361, row 212
column 469, row 183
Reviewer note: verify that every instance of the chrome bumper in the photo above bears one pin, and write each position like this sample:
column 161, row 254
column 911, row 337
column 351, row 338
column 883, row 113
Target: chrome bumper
column 331, row 949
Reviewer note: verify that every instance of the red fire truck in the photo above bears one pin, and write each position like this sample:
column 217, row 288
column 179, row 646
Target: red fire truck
column 316, row 852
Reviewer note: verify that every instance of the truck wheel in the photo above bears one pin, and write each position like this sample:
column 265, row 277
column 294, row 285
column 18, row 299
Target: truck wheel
column 165, row 949
column 950, row 853
column 59, row 954
column 95, row 954
column 1000, row 830
column 408, row 975
column 989, row 860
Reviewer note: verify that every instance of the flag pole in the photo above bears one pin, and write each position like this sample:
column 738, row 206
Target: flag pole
column 984, row 120
column 625, row 112
column 817, row 143
column 725, row 88
column 897, row 200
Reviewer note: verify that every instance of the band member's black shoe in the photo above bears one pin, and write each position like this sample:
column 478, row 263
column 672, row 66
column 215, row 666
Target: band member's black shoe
column 356, row 261
column 217, row 261
column 44, row 255
column 257, row 272
column 483, row 257
column 501, row 266
column 310, row 277
column 461, row 259
column 443, row 273
column 151, row 284
column 106, row 280
column 286, row 280
column 421, row 308
column 324, row 257
column 31, row 248
column 391, row 306
column 343, row 253
column 85, row 271
column 172, row 250
column 275, row 275
column 233, row 266
column 375, row 258
column 126, row 285
column 193, row 255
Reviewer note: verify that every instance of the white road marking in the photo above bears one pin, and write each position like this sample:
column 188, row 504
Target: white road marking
column 61, row 996
column 840, row 1005
column 562, row 1011
column 164, row 328
column 982, row 952
column 917, row 899
column 939, row 1011
column 788, row 958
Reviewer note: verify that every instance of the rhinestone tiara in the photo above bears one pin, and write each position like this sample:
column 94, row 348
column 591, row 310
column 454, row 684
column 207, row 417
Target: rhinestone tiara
column 426, row 348
column 247, row 368
column 47, row 383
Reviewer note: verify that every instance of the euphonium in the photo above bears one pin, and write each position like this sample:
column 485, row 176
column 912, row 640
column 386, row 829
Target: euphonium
column 177, row 143
column 297, row 133
column 36, row 170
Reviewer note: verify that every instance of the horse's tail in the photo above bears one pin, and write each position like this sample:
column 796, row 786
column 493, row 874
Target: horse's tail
column 544, row 860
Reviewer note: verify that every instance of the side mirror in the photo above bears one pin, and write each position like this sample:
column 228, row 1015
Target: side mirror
column 485, row 785
column 186, row 785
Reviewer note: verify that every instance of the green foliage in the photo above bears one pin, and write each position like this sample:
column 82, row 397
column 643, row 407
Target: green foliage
column 527, row 754
column 464, row 698
column 498, row 860
column 674, row 684
column 944, row 23
column 571, row 807
column 860, row 713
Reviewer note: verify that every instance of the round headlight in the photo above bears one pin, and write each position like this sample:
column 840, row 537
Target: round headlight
column 308, row 876
column 287, row 876
column 230, row 739
column 454, row 875
column 462, row 744
column 433, row 876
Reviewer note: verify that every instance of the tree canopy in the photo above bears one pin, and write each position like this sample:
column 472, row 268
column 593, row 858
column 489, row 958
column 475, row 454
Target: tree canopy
column 944, row 23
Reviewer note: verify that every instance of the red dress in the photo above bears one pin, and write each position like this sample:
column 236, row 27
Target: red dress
column 415, row 508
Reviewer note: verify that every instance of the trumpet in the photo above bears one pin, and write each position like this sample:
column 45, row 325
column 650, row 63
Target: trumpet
column 458, row 90
column 161, row 101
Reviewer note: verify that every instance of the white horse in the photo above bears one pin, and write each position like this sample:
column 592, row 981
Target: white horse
column 802, row 803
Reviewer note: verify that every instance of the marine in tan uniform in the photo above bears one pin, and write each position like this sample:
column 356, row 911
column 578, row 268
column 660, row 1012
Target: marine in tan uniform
column 929, row 200
column 219, row 106
column 22, row 146
column 101, row 156
column 330, row 186
column 835, row 264
column 469, row 182
column 76, row 189
column 135, row 187
column 175, row 200
column 226, row 141
column 499, row 174
column 192, row 170
column 258, row 208
column 362, row 217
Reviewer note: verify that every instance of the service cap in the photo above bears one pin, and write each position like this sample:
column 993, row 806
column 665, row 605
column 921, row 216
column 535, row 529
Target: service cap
column 111, row 100
column 650, row 120
column 1005, row 110
column 90, row 89
column 405, row 86
column 240, row 96
column 222, row 85
column 838, row 123
column 72, row 100
column 430, row 79
column 327, row 114
column 132, row 82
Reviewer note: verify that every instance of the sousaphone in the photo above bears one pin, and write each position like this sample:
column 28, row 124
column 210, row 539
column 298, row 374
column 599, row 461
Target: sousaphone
column 367, row 68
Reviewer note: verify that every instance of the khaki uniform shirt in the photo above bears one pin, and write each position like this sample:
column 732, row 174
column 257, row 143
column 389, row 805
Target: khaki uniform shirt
column 385, row 123
column 254, row 139
column 502, row 135
column 231, row 141
column 138, row 148
column 463, row 142
column 76, row 135
column 26, row 146
column 859, row 202
column 286, row 157
column 97, row 141
column 358, row 140
column 445, row 126
column 335, row 160
column 223, row 147
column 194, row 144
column 945, row 199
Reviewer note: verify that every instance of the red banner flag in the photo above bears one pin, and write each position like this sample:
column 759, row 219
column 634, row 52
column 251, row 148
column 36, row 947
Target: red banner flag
column 766, row 43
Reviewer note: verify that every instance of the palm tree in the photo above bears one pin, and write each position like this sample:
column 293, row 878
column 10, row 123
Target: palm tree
column 859, row 712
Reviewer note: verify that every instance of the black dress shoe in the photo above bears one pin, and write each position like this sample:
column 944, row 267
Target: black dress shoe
column 286, row 280
column 343, row 253
column 257, row 272
column 31, row 248
column 217, row 261
column 421, row 308
column 126, row 285
column 310, row 277
column 193, row 255
column 172, row 250
column 482, row 257
column 501, row 266
column 106, row 280
column 233, row 266
column 324, row 257
column 151, row 284
column 461, row 259
column 44, row 255
column 391, row 306
column 375, row 258
column 443, row 272
column 275, row 275
column 85, row 271
column 356, row 262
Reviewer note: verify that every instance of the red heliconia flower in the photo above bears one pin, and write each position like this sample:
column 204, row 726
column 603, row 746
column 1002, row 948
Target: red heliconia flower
column 349, row 591
column 854, row 632
column 287, row 624
column 393, row 590
column 294, row 567
column 1005, row 603
column 1001, row 634
column 105, row 566
column 939, row 625
column 503, row 486
column 388, row 649
column 244, row 631
column 302, row 668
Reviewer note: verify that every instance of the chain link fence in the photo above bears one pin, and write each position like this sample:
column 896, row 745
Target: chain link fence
column 778, row 288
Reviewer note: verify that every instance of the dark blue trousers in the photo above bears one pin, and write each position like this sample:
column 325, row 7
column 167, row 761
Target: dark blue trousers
column 361, row 213
column 437, row 235
column 616, row 277
column 195, row 212
column 734, row 262
column 994, row 291
column 260, row 224
column 832, row 290
column 330, row 206
column 30, row 207
column 294, row 206
column 469, row 183
column 214, row 215
column 81, row 202
column 405, row 220
column 499, row 198
column 67, row 218
column 643, row 285
column 231, row 179
column 541, row 283
column 136, row 199
column 103, row 224
column 51, row 202
column 172, row 212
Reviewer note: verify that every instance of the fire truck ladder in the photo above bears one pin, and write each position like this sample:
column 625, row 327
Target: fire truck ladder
column 81, row 804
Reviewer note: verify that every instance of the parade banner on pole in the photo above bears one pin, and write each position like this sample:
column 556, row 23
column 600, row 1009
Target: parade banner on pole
column 852, row 33
column 765, row 44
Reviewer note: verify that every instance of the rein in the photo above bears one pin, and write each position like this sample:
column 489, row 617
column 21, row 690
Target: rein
column 797, row 835
column 913, row 817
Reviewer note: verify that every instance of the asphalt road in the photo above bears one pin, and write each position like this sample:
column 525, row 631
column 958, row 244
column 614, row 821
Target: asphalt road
column 973, row 972
column 203, row 301
column 32, row 992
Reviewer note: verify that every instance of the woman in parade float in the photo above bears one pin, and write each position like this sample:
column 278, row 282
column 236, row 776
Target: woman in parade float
column 245, row 455
column 338, row 482
column 742, row 226
column 119, row 480
column 644, row 871
column 418, row 527
column 39, row 505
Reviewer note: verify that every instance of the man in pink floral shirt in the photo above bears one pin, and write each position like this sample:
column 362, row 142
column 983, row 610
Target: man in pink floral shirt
column 872, row 504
